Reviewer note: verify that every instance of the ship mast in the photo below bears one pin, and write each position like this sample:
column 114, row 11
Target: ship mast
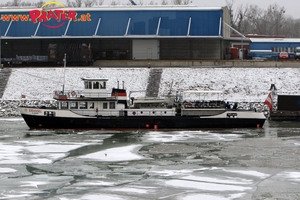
column 65, row 60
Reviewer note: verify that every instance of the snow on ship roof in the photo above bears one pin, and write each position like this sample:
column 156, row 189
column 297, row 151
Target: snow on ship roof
column 203, row 91
column 94, row 79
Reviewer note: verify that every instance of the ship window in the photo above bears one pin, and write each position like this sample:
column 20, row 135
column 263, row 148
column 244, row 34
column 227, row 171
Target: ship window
column 103, row 85
column 64, row 105
column 141, row 112
column 74, row 105
column 83, row 105
column 88, row 85
column 112, row 105
column 153, row 112
column 104, row 105
column 49, row 114
column 92, row 105
column 96, row 85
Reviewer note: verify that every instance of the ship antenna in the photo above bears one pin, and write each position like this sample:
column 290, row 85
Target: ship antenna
column 65, row 60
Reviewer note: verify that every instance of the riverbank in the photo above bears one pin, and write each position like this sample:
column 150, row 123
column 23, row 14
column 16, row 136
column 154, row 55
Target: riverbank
column 198, row 63
column 250, row 85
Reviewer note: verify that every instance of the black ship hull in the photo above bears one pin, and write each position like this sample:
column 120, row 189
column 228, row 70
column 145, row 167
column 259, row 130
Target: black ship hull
column 126, row 122
column 285, row 116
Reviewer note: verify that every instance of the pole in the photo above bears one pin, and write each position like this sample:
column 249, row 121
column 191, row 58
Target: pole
column 65, row 60
column 0, row 42
column 242, row 39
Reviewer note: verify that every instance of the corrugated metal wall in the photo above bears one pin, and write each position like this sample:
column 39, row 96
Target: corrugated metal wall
column 121, row 49
column 274, row 46
column 181, row 33
column 104, row 22
column 145, row 49
column 193, row 49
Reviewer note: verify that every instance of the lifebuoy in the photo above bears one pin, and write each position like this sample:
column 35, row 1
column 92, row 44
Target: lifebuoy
column 133, row 112
column 73, row 93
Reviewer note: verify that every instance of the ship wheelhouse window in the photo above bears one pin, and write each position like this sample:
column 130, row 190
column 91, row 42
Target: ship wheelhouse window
column 74, row 105
column 83, row 105
column 88, row 85
column 64, row 105
column 96, row 85
column 92, row 105
column 103, row 85
column 104, row 105
column 112, row 105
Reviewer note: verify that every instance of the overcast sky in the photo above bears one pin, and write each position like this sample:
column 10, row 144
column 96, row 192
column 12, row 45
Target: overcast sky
column 292, row 6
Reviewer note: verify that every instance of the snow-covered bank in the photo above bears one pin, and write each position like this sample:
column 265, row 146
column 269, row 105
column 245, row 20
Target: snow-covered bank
column 239, row 84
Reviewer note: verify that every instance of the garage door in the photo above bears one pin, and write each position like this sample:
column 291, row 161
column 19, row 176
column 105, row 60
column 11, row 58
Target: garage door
column 145, row 49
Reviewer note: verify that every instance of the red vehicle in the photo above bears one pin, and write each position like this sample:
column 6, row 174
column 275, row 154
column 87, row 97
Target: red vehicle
column 283, row 56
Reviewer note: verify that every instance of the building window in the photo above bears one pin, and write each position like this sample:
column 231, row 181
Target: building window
column 112, row 105
column 104, row 105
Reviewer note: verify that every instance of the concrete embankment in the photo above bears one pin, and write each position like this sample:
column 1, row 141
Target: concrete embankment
column 199, row 63
column 4, row 76
column 230, row 78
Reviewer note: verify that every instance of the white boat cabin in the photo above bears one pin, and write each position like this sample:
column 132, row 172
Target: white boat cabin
column 95, row 87
column 94, row 100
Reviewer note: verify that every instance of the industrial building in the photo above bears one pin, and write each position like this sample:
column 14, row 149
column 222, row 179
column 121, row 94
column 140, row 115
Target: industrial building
column 114, row 33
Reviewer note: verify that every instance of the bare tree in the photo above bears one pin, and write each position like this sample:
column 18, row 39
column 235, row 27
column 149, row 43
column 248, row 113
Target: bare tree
column 89, row 3
column 186, row 2
column 113, row 3
column 181, row 2
column 164, row 2
column 276, row 18
column 100, row 2
column 13, row 3
column 177, row 2
column 75, row 3
column 40, row 3
column 152, row 2
column 230, row 4
column 240, row 21
column 267, row 22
